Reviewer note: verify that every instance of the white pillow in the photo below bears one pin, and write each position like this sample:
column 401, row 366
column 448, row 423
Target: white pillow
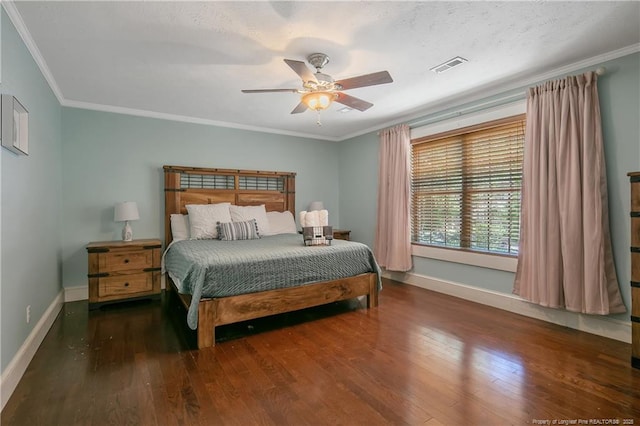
column 281, row 223
column 245, row 213
column 203, row 219
column 180, row 227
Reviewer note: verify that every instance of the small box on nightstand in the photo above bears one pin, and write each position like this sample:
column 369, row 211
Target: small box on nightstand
column 341, row 234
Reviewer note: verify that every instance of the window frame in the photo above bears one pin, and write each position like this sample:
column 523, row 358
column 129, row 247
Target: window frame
column 462, row 255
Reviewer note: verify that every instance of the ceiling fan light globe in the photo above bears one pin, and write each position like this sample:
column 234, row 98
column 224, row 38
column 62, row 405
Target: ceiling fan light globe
column 318, row 100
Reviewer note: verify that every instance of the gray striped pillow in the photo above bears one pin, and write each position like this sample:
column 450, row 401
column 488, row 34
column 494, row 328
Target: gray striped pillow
column 230, row 231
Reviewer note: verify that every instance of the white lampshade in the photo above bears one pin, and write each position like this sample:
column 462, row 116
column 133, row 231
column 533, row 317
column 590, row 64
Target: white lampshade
column 127, row 210
column 124, row 212
column 316, row 205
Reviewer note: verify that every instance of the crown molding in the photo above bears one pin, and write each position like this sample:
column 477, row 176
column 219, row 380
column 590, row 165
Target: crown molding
column 186, row 119
column 17, row 21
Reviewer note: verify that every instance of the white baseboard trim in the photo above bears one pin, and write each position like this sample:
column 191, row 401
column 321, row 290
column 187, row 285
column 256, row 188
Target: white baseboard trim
column 600, row 325
column 73, row 294
column 15, row 370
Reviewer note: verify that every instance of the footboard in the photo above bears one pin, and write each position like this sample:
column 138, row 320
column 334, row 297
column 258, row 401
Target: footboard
column 232, row 309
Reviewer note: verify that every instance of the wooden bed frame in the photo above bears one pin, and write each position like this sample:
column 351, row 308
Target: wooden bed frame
column 276, row 190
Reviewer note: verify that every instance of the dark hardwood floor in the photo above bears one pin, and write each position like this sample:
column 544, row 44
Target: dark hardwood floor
column 419, row 358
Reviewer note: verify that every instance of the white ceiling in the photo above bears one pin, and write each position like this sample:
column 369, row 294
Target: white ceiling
column 189, row 60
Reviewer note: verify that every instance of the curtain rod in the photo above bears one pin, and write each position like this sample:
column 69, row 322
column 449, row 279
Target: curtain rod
column 484, row 105
column 474, row 108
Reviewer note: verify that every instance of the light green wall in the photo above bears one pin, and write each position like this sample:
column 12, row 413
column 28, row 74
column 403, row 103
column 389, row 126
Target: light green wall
column 619, row 92
column 109, row 158
column 359, row 186
column 31, row 200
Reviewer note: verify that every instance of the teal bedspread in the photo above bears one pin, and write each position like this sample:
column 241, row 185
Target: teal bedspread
column 213, row 268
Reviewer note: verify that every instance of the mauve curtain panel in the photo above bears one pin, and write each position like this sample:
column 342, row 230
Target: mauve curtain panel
column 392, row 246
column 565, row 258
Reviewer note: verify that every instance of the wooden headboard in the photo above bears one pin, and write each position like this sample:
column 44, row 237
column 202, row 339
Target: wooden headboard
column 197, row 185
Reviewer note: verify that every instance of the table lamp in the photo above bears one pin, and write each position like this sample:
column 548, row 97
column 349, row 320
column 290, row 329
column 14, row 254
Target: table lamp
column 124, row 212
column 316, row 205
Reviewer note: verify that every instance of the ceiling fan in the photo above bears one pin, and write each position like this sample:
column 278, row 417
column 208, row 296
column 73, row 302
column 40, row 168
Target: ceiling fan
column 319, row 90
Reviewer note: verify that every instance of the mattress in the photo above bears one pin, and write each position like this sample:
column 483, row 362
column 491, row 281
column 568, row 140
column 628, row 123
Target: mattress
column 214, row 268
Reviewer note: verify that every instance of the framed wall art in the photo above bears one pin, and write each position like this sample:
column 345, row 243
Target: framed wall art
column 15, row 125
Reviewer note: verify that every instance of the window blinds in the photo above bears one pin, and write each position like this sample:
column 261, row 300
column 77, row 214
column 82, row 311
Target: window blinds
column 466, row 187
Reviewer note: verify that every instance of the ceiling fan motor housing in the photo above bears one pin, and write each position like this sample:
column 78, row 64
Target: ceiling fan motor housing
column 323, row 82
column 318, row 60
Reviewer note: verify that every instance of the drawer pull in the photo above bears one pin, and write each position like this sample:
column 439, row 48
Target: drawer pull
column 126, row 261
column 126, row 284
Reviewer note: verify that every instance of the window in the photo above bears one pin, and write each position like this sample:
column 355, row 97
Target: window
column 466, row 187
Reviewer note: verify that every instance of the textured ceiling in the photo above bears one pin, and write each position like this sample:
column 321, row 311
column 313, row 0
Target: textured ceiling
column 189, row 60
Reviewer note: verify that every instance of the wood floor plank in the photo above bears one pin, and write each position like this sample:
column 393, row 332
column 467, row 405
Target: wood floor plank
column 419, row 358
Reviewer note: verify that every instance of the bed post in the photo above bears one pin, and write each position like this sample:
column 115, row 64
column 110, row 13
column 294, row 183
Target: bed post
column 372, row 297
column 171, row 200
column 207, row 323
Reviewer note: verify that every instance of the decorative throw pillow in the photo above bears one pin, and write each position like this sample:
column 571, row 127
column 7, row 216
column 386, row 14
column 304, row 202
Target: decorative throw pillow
column 179, row 227
column 281, row 223
column 231, row 231
column 203, row 219
column 244, row 213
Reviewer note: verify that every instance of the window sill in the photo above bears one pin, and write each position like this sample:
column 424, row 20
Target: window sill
column 501, row 263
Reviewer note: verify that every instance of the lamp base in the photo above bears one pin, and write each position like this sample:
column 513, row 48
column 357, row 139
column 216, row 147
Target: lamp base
column 127, row 232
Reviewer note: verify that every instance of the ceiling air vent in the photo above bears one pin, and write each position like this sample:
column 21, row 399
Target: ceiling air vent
column 454, row 62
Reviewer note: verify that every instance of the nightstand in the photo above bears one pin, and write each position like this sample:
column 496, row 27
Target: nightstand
column 123, row 270
column 341, row 234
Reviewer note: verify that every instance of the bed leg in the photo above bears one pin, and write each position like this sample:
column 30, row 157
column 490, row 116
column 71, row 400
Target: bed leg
column 372, row 297
column 206, row 323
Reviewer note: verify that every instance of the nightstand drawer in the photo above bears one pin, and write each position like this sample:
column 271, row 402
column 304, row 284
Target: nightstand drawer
column 125, row 260
column 120, row 285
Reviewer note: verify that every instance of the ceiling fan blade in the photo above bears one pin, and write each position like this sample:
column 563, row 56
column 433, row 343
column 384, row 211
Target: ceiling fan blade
column 301, row 107
column 269, row 90
column 302, row 70
column 381, row 77
column 353, row 102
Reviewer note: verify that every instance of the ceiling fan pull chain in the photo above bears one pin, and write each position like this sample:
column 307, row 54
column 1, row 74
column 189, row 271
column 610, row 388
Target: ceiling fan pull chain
column 318, row 122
